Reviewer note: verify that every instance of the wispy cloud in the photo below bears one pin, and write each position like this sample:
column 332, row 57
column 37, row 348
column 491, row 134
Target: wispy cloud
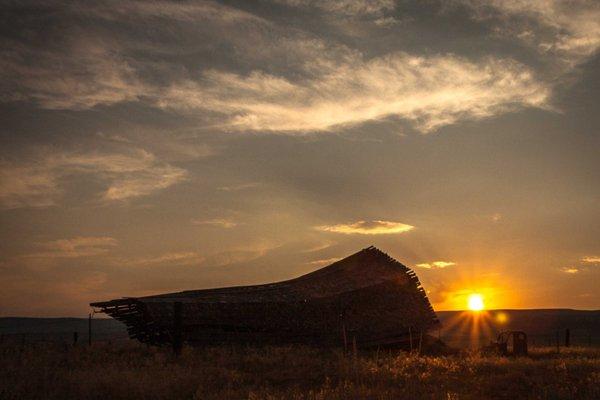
column 567, row 30
column 324, row 86
column 30, row 185
column 324, row 262
column 591, row 260
column 586, row 264
column 173, row 258
column 96, row 65
column 430, row 92
column 346, row 8
column 96, row 75
column 436, row 264
column 240, row 186
column 377, row 227
column 219, row 222
column 129, row 174
column 318, row 247
column 132, row 175
column 75, row 247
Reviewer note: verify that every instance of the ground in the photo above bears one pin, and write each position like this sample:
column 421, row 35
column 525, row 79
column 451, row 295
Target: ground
column 127, row 370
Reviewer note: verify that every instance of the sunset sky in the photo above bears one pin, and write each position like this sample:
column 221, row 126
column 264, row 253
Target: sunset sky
column 148, row 147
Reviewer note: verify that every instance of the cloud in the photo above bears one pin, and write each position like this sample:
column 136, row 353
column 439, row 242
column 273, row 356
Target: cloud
column 570, row 270
column 173, row 258
column 376, row 227
column 436, row 264
column 241, row 186
column 429, row 92
column 568, row 31
column 323, row 84
column 219, row 222
column 128, row 175
column 345, row 8
column 591, row 260
column 324, row 262
column 95, row 75
column 75, row 247
column 132, row 175
column 586, row 264
column 27, row 186
column 84, row 65
column 318, row 247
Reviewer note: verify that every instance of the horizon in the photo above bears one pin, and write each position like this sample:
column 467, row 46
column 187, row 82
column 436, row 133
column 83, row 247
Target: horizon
column 104, row 316
column 156, row 147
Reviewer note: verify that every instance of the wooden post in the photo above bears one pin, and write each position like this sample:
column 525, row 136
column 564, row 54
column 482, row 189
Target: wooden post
column 557, row 342
column 420, row 340
column 90, row 329
column 410, row 338
column 177, row 325
column 354, row 348
column 345, row 337
column 567, row 337
column 75, row 337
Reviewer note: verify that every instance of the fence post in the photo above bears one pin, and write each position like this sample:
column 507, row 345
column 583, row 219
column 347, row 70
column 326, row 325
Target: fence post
column 567, row 337
column 177, row 325
column 75, row 337
column 90, row 329
column 557, row 342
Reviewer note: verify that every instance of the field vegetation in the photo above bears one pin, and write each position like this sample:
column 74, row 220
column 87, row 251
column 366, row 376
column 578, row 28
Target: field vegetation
column 129, row 370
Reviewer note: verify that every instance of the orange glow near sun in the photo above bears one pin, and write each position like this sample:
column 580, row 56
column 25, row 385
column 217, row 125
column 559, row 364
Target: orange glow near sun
column 475, row 302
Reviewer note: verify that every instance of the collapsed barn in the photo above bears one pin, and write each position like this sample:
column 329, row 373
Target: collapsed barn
column 367, row 298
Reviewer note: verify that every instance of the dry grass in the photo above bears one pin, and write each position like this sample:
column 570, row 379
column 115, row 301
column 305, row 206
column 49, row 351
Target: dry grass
column 128, row 371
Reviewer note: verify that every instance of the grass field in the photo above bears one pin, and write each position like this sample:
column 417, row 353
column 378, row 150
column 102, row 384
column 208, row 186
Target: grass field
column 129, row 370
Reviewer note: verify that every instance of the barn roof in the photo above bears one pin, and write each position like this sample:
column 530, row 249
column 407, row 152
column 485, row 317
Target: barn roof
column 365, row 268
column 367, row 271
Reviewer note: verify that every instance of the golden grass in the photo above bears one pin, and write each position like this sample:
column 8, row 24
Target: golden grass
column 132, row 371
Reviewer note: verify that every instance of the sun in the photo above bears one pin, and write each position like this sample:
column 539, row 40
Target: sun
column 475, row 302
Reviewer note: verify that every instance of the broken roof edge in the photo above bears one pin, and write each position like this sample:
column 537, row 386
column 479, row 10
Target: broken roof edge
column 331, row 268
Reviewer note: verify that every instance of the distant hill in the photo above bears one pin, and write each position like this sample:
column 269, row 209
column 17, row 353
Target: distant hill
column 458, row 328
column 463, row 327
column 61, row 329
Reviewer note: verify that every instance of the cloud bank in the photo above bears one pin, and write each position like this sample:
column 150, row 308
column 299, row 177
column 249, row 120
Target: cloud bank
column 321, row 85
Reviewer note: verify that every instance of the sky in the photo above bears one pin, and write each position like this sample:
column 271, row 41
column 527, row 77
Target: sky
column 151, row 147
